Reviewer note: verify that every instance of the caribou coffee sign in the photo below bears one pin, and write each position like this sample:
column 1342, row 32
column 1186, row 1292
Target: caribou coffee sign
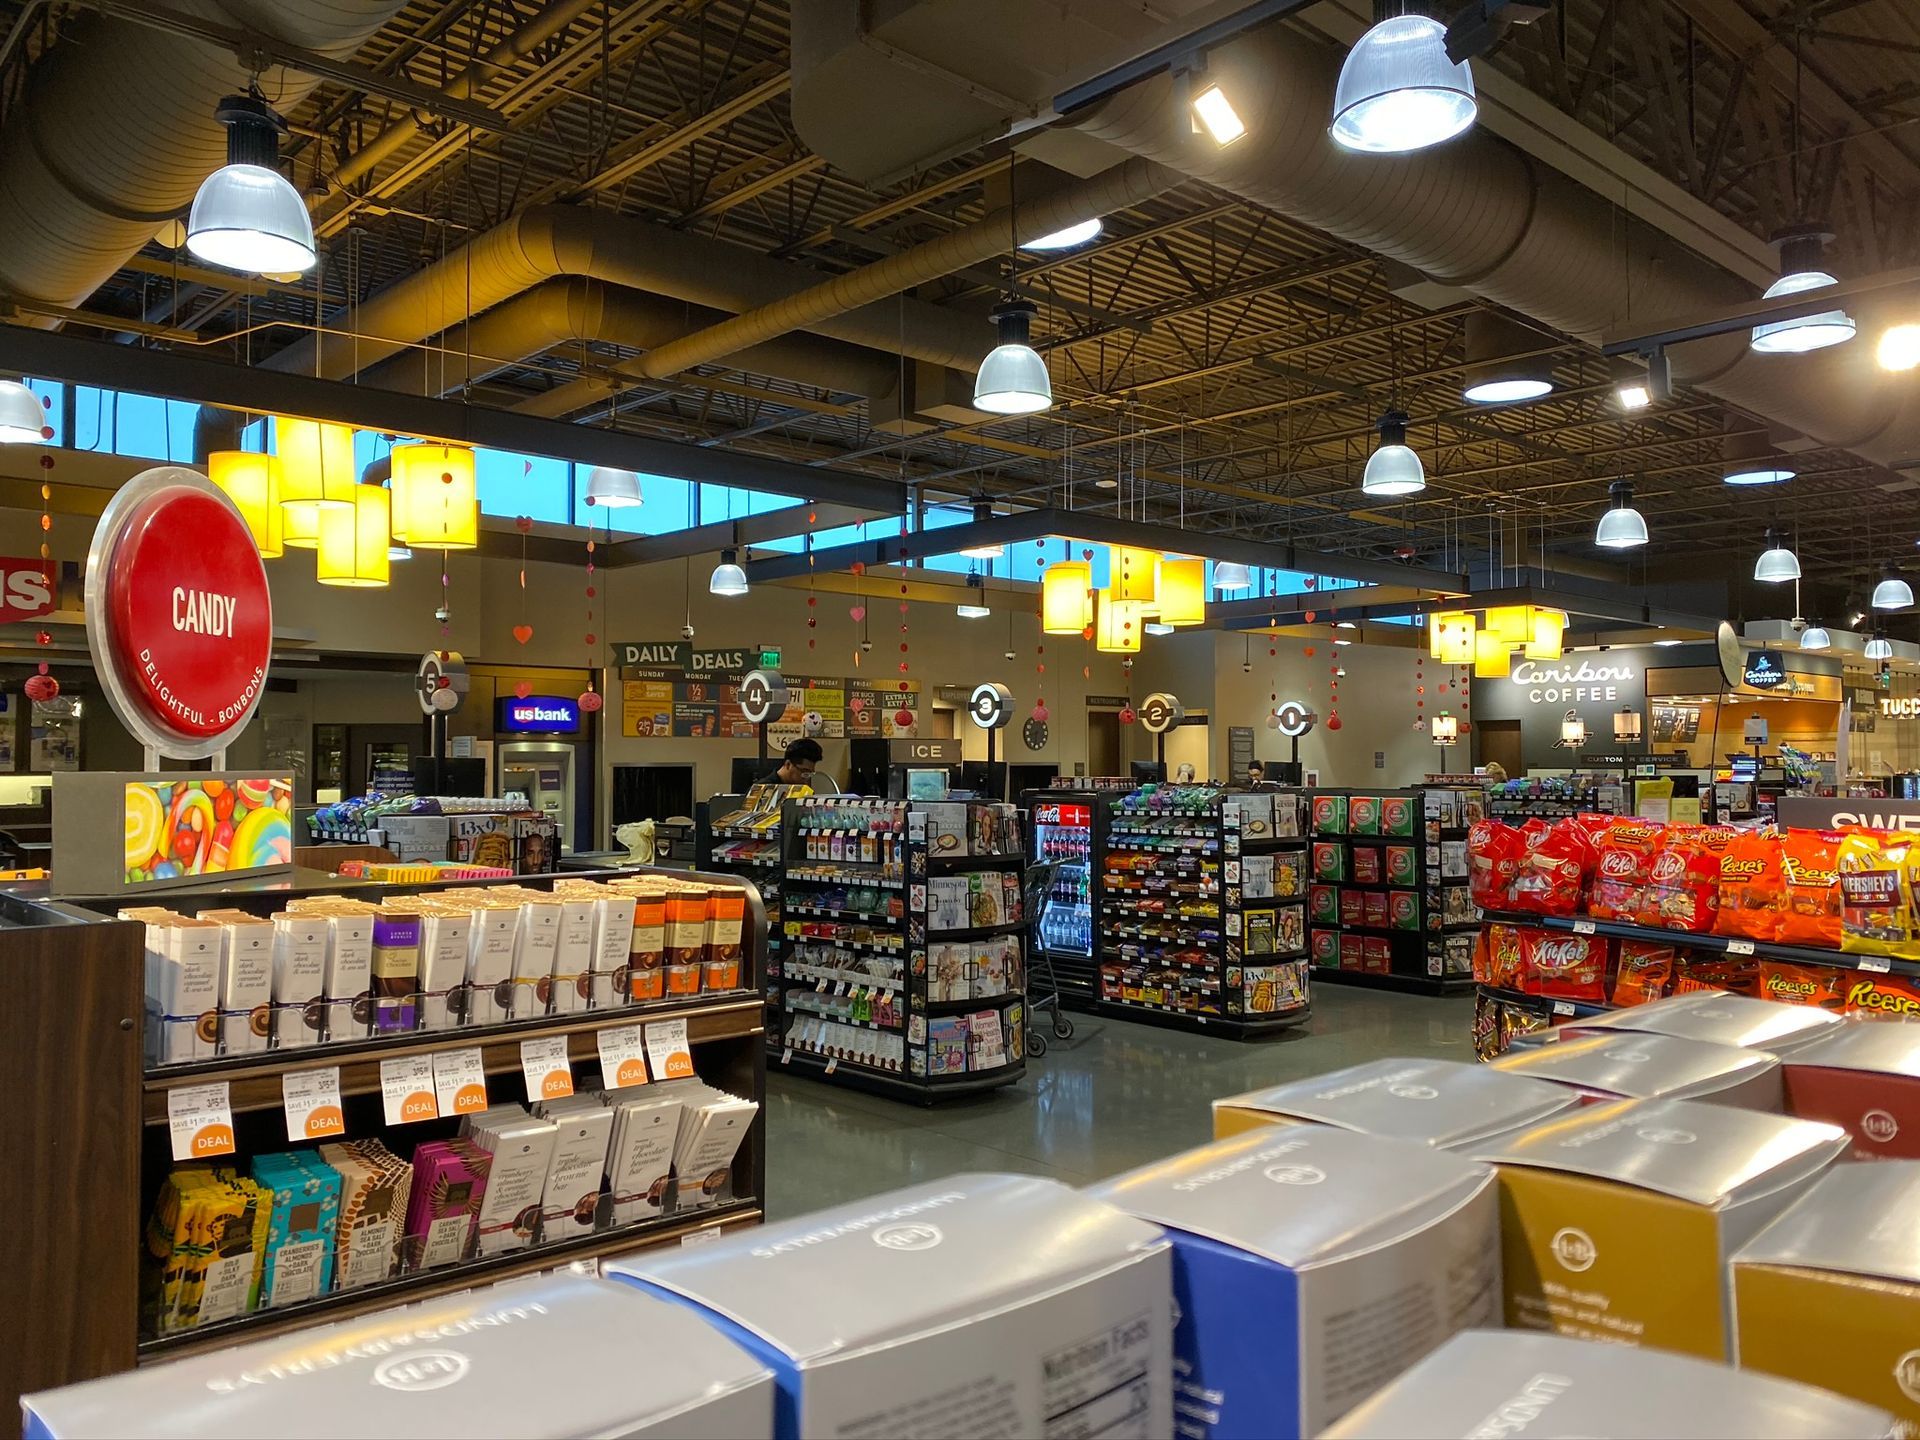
column 1569, row 682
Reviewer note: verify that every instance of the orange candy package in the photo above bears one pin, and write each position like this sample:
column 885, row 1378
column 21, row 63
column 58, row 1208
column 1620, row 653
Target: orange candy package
column 1622, row 854
column 1753, row 892
column 1809, row 871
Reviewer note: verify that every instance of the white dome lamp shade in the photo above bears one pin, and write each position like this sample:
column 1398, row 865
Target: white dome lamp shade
column 1399, row 91
column 1777, row 564
column 1013, row 378
column 247, row 217
column 1622, row 527
column 1801, row 272
column 1893, row 592
column 612, row 487
column 728, row 578
column 22, row 417
column 1231, row 575
column 1500, row 369
column 1393, row 469
column 1815, row 637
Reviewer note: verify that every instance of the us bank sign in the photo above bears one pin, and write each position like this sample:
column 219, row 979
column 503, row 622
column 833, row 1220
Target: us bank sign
column 1572, row 682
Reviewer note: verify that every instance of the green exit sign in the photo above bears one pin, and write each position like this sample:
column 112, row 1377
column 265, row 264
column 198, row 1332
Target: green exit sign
column 769, row 659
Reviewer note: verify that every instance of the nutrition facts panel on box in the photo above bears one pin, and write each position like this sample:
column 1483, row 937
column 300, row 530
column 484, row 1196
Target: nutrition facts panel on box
column 1099, row 1385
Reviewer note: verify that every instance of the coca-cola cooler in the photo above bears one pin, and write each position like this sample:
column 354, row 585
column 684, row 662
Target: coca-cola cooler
column 1060, row 831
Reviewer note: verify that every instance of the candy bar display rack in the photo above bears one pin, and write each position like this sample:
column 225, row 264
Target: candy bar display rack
column 95, row 1119
column 880, row 989
column 1388, row 902
column 1180, row 940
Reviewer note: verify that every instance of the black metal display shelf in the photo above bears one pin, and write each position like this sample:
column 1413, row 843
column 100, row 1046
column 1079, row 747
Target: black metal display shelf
column 923, row 1090
column 1555, row 1007
column 1237, row 1029
column 1407, row 984
column 1724, row 944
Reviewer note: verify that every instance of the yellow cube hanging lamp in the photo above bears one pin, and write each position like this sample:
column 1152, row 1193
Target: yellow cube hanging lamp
column 1450, row 636
column 1492, row 658
column 1118, row 624
column 1136, row 574
column 435, row 498
column 1183, row 592
column 354, row 540
column 1512, row 623
column 1066, row 598
column 252, row 482
column 316, row 463
column 1549, row 629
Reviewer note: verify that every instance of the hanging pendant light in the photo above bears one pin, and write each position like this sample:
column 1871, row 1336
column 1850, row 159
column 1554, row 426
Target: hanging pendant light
column 1893, row 592
column 23, row 418
column 252, row 482
column 247, row 216
column 354, row 540
column 1879, row 647
column 973, row 607
column 1399, row 91
column 1013, row 378
column 1066, row 597
column 728, row 578
column 1231, row 575
column 1393, row 469
column 1776, row 563
column 983, row 512
column 435, row 499
column 613, row 487
column 1815, row 637
column 1622, row 527
column 1801, row 272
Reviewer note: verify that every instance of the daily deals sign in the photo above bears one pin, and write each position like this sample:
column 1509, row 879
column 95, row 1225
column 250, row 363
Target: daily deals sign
column 179, row 616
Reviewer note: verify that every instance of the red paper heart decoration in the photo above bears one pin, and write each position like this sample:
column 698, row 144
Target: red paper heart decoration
column 523, row 633
column 522, row 689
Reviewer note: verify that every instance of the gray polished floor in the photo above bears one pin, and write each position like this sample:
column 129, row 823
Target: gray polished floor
column 1117, row 1095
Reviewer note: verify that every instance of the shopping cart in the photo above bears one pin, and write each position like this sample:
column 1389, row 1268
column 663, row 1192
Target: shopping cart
column 1043, row 989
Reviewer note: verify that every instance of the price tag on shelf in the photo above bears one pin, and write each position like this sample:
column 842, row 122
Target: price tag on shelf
column 668, row 1054
column 312, row 1102
column 460, row 1081
column 406, row 1089
column 1878, row 964
column 1583, row 927
column 1739, row 947
column 200, row 1121
column 543, row 1060
column 623, row 1059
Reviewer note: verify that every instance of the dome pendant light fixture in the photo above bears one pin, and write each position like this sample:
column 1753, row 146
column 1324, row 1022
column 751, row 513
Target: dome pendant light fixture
column 1776, row 563
column 613, row 488
column 1013, row 379
column 247, row 216
column 1622, row 527
column 1800, row 272
column 1393, row 469
column 1399, row 91
column 728, row 578
column 1893, row 592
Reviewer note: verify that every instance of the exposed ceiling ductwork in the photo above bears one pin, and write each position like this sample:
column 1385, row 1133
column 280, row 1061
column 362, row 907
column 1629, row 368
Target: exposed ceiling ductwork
column 83, row 186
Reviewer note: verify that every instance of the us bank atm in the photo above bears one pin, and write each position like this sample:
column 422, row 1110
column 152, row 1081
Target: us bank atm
column 542, row 751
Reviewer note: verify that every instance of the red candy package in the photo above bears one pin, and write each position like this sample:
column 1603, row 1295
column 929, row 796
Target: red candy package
column 1566, row 967
column 1494, row 853
column 1554, row 870
column 1682, row 890
column 1645, row 967
column 1621, row 857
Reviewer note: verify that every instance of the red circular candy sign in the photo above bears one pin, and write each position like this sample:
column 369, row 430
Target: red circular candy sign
column 178, row 612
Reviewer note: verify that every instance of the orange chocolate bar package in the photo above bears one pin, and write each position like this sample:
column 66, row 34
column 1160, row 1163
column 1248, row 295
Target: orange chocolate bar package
column 1810, row 878
column 1645, row 968
column 1803, row 984
column 1752, row 886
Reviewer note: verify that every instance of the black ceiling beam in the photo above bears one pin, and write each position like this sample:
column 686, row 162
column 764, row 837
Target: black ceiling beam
column 50, row 355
